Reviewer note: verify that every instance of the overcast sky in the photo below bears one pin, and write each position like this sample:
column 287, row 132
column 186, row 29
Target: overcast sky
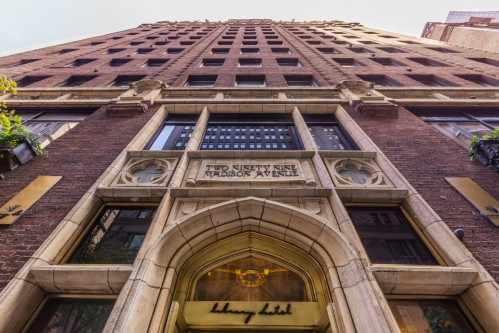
column 29, row 24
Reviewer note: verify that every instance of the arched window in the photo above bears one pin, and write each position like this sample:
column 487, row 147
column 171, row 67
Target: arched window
column 251, row 279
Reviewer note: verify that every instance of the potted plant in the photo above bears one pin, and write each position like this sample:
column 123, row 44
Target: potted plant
column 17, row 144
column 485, row 149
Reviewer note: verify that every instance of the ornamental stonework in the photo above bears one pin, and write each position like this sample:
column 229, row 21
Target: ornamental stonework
column 146, row 172
column 357, row 172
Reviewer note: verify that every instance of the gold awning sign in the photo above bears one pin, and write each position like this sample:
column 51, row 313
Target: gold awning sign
column 27, row 197
column 205, row 314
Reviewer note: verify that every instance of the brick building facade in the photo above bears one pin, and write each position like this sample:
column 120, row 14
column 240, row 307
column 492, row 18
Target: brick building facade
column 206, row 165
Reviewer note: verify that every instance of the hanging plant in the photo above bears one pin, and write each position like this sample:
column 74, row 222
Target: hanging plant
column 485, row 149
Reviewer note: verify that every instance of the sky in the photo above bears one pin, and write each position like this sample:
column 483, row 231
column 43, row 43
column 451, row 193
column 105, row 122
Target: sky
column 31, row 24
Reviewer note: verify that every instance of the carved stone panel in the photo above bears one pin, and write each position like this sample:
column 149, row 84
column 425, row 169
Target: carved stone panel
column 207, row 172
column 357, row 172
column 146, row 172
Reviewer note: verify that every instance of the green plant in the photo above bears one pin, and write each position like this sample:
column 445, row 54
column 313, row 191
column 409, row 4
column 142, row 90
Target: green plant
column 475, row 139
column 12, row 130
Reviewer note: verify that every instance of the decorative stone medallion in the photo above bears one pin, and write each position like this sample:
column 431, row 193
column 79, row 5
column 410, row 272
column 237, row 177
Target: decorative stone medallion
column 357, row 172
column 146, row 172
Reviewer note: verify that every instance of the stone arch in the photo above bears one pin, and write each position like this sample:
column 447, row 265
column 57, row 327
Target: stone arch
column 149, row 293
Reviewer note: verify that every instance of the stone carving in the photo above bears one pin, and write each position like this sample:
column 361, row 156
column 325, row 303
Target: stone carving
column 146, row 172
column 355, row 172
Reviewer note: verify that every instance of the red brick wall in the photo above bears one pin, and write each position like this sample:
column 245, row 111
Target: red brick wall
column 425, row 157
column 80, row 156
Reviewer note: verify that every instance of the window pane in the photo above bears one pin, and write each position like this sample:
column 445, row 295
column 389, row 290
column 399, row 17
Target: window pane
column 251, row 279
column 65, row 315
column 461, row 132
column 115, row 237
column 388, row 237
column 432, row 316
column 175, row 134
column 330, row 137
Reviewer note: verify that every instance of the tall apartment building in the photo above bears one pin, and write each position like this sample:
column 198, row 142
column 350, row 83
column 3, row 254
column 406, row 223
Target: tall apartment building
column 252, row 175
column 470, row 29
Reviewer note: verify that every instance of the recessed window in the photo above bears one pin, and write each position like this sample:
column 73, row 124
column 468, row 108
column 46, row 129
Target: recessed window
column 250, row 50
column 348, row 62
column 388, row 236
column 220, row 50
column 250, row 132
column 175, row 133
column 359, row 50
column 201, row 80
column 228, row 37
column 136, row 43
column 64, row 51
column 431, row 80
column 486, row 61
column 223, row 42
column 292, row 62
column 314, row 42
column 280, row 50
column 250, row 42
column 115, row 237
column 30, row 79
column 387, row 62
column 274, row 42
column 430, row 315
column 96, row 43
column 271, row 36
column 212, row 62
column 161, row 43
column 391, row 50
column 115, row 50
column 157, row 62
column 145, row 50
column 126, row 80
column 174, row 50
column 152, row 37
column 427, row 62
column 119, row 62
column 77, row 80
column 116, row 37
column 250, row 80
column 249, row 37
column 327, row 132
column 81, row 62
column 72, row 315
column 442, row 49
column 294, row 80
column 409, row 42
column 481, row 80
column 380, row 79
column 327, row 50
column 250, row 62
column 25, row 62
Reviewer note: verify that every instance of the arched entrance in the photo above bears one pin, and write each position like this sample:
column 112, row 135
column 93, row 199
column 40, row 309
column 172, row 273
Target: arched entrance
column 263, row 233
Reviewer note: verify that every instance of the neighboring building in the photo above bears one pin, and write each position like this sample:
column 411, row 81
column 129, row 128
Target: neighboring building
column 252, row 175
column 471, row 29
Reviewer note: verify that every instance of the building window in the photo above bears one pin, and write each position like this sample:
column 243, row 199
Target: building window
column 212, row 62
column 486, row 61
column 328, row 50
column 360, row 50
column 391, row 50
column 220, row 50
column 427, row 62
column 145, row 50
column 291, row 62
column 77, row 80
column 72, row 315
column 250, row 50
column 274, row 42
column 300, row 80
column 430, row 316
column 280, row 50
column 23, row 62
column 387, row 62
column 250, row 42
column 48, row 125
column 175, row 133
column 81, row 62
column 380, row 80
column 30, row 79
column 156, row 62
column 459, row 125
column 250, row 80
column 225, row 43
column 348, row 62
column 64, row 51
column 115, row 236
column 388, row 236
column 327, row 132
column 174, row 50
column 250, row 62
column 126, row 80
column 431, row 80
column 250, row 132
column 442, row 50
column 481, row 80
column 201, row 80
column 136, row 43
column 118, row 62
column 116, row 50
